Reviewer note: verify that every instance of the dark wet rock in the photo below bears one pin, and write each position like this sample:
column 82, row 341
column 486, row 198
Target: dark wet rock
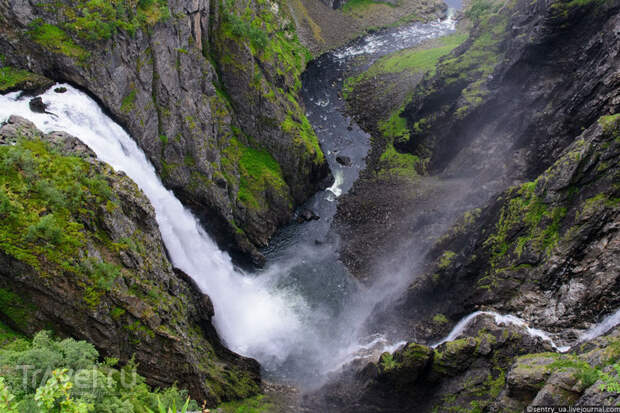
column 37, row 105
column 150, row 312
column 307, row 215
column 60, row 89
column 343, row 160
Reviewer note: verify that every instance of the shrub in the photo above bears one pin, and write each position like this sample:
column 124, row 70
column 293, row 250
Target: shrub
column 65, row 376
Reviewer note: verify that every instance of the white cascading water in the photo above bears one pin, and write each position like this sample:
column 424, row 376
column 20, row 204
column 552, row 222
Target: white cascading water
column 500, row 319
column 253, row 318
column 595, row 331
column 601, row 328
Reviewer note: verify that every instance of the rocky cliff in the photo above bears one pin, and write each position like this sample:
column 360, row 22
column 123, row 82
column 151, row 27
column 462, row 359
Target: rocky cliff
column 497, row 183
column 209, row 90
column 81, row 254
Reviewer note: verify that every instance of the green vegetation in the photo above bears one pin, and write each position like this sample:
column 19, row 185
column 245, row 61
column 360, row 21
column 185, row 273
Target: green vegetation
column 57, row 40
column 45, row 201
column 395, row 164
column 7, row 334
column 562, row 9
column 304, row 135
column 535, row 223
column 352, row 6
column 611, row 124
column 440, row 319
column 265, row 30
column 257, row 404
column 128, row 103
column 52, row 376
column 418, row 59
column 12, row 78
column 394, row 129
column 423, row 59
column 259, row 173
column 446, row 259
column 96, row 20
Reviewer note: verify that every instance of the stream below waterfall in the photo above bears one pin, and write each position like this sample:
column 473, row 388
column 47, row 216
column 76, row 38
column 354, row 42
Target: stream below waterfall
column 303, row 315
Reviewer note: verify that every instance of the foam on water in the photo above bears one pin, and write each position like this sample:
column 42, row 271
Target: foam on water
column 402, row 38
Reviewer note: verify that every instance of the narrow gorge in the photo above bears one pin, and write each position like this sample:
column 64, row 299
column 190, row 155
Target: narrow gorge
column 306, row 206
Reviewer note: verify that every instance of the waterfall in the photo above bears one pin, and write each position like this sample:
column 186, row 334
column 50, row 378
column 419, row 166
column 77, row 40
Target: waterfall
column 252, row 317
column 500, row 319
column 304, row 314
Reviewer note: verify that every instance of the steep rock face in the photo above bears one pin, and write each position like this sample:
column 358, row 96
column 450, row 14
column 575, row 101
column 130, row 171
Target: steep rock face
column 530, row 77
column 81, row 254
column 152, row 66
column 545, row 250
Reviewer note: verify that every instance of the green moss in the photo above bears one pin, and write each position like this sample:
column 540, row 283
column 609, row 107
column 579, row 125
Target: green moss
column 446, row 259
column 18, row 311
column 128, row 103
column 304, row 135
column 55, row 39
column 440, row 319
column 611, row 124
column 395, row 128
column 387, row 362
column 96, row 20
column 257, row 404
column 525, row 220
column 117, row 313
column 259, row 173
column 395, row 164
column 11, row 78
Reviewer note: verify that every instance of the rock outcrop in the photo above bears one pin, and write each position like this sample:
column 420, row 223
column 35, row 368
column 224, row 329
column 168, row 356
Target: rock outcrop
column 490, row 367
column 208, row 89
column 81, row 254
column 467, row 373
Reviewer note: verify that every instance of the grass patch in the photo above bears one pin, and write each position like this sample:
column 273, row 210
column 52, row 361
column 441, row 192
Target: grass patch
column 259, row 173
column 416, row 60
column 12, row 78
column 257, row 404
column 56, row 40
column 409, row 60
column 353, row 6
column 395, row 164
